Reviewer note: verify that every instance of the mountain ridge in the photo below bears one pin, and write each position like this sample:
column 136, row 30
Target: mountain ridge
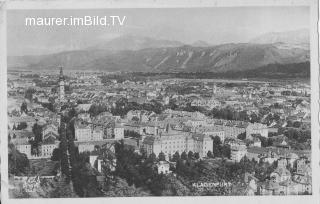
column 144, row 54
column 132, row 42
column 218, row 58
column 292, row 39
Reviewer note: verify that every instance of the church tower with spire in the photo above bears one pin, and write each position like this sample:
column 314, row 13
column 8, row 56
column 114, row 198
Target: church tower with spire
column 214, row 90
column 61, row 85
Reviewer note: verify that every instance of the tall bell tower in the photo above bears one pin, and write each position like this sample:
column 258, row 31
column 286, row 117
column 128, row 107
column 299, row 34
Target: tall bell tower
column 214, row 90
column 61, row 85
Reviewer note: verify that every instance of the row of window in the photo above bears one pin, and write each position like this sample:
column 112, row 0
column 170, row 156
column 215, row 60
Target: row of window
column 175, row 142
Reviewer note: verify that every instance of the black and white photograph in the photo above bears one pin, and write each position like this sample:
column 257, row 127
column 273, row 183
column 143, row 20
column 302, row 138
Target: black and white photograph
column 161, row 102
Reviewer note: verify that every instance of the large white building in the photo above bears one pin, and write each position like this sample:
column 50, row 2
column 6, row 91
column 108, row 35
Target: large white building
column 47, row 148
column 118, row 132
column 82, row 131
column 256, row 128
column 85, row 131
column 212, row 131
column 174, row 141
column 238, row 150
column 23, row 146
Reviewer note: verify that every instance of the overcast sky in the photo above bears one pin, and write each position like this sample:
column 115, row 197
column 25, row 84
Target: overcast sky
column 213, row 25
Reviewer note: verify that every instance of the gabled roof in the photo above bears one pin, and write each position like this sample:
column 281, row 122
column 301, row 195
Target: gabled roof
column 49, row 140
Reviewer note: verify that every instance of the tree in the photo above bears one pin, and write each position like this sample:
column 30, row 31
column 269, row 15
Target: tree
column 22, row 126
column 62, row 191
column 289, row 123
column 72, row 113
column 135, row 118
column 120, row 188
column 23, row 107
column 217, row 140
column 209, row 154
column 152, row 158
column 56, row 155
column 37, row 131
column 172, row 105
column 54, row 90
column 242, row 136
column 270, row 142
column 296, row 124
column 64, row 148
column 243, row 116
column 190, row 155
column 226, row 151
column 95, row 109
column 49, row 106
column 196, row 155
column 17, row 162
column 176, row 157
column 276, row 117
column 161, row 156
column 29, row 93
column 184, row 156
column 254, row 118
column 216, row 146
column 130, row 133
column 246, row 165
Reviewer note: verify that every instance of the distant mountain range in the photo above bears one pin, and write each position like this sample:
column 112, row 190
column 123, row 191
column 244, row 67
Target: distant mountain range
column 132, row 42
column 294, row 39
column 143, row 54
column 200, row 43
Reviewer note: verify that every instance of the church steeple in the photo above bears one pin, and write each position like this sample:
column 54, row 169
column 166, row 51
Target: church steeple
column 61, row 85
column 61, row 77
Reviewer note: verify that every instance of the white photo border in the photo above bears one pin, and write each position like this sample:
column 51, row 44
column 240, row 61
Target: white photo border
column 99, row 4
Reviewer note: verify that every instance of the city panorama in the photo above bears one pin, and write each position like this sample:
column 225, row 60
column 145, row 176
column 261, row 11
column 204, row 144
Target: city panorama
column 211, row 108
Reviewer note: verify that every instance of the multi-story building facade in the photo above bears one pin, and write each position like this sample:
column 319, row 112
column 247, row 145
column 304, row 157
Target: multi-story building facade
column 97, row 133
column 212, row 131
column 85, row 131
column 238, row 152
column 118, row 132
column 23, row 146
column 47, row 148
column 177, row 141
column 256, row 128
column 231, row 131
column 82, row 131
column 238, row 149
column 15, row 121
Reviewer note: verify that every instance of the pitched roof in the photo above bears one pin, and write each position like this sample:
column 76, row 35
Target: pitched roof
column 21, row 133
column 149, row 140
column 257, row 150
